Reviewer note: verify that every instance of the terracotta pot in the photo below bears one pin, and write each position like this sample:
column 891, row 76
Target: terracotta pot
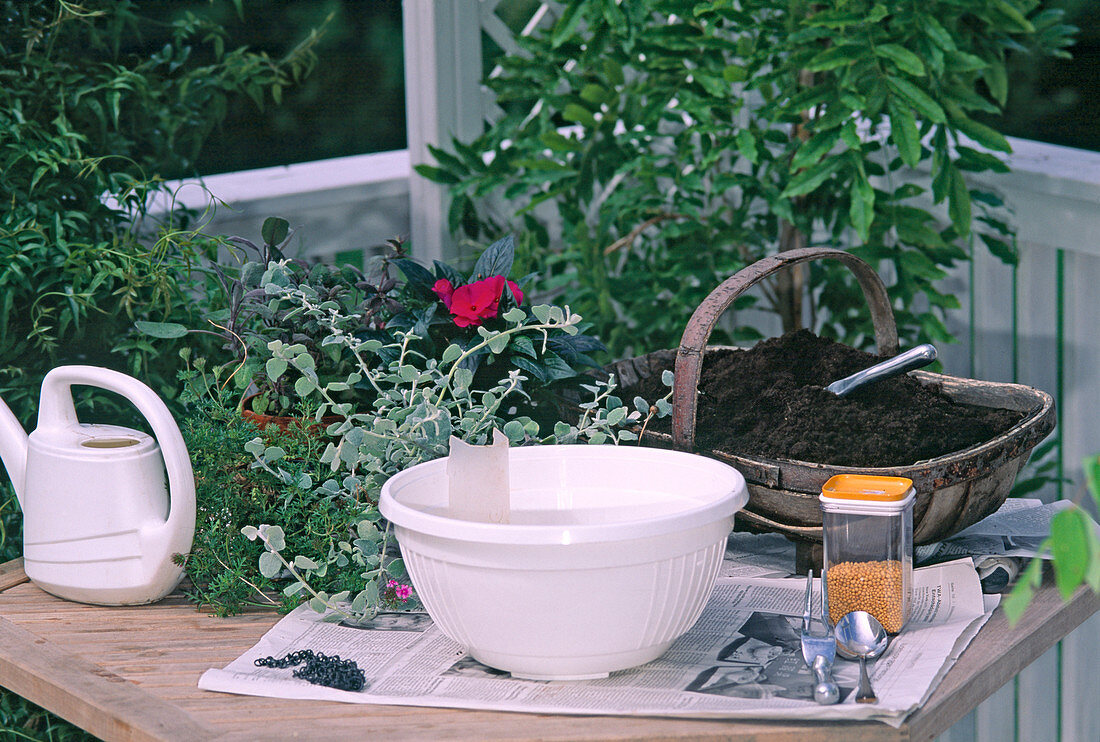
column 283, row 422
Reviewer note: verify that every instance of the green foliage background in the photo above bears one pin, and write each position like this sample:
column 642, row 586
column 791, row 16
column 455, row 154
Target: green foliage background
column 356, row 106
column 653, row 148
column 88, row 129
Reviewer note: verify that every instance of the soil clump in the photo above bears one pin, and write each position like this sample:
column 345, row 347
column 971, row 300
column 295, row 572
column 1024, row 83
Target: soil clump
column 770, row 401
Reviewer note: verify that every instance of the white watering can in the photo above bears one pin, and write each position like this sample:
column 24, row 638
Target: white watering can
column 97, row 523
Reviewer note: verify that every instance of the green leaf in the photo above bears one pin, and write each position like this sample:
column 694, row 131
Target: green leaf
column 559, row 142
column 303, row 387
column 982, row 134
column 996, row 79
column 275, row 367
column 515, row 314
column 746, row 145
column 836, row 56
column 567, row 24
column 1017, row 19
column 396, row 569
column 523, row 344
column 270, row 564
column 1069, row 545
column 498, row 343
column 1001, row 250
column 862, row 209
column 937, row 33
column 496, row 260
column 274, row 537
column 905, row 60
column 613, row 70
column 735, row 73
column 554, row 367
column 594, row 94
column 976, row 161
column 542, row 313
column 436, row 174
column 418, row 279
column 514, row 430
column 903, row 130
column 166, row 330
column 1092, row 475
column 809, row 179
column 274, row 230
column 917, row 98
column 579, row 114
column 451, row 354
column 815, row 148
column 958, row 202
column 304, row 562
column 463, row 378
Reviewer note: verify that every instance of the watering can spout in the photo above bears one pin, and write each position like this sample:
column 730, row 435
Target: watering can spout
column 13, row 449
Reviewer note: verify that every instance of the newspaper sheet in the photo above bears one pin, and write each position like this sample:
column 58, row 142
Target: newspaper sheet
column 1001, row 543
column 741, row 659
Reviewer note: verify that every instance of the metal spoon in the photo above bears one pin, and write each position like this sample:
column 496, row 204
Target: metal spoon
column 859, row 635
column 913, row 358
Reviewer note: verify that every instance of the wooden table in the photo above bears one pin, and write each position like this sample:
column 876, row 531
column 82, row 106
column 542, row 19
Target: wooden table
column 132, row 673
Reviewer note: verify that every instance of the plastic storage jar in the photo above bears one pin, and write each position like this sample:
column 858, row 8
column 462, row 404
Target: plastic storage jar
column 868, row 533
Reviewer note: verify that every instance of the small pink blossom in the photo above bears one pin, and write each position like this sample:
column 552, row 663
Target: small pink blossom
column 403, row 592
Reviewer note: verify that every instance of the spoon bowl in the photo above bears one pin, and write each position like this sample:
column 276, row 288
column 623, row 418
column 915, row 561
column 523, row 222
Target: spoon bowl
column 860, row 636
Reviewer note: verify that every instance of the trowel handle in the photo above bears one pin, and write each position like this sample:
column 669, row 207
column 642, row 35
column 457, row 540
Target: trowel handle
column 57, row 410
column 913, row 358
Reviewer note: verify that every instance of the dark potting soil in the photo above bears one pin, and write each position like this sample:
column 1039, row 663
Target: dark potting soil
column 769, row 401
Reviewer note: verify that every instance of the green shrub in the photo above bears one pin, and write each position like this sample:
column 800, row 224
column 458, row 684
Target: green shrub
column 655, row 147
column 85, row 131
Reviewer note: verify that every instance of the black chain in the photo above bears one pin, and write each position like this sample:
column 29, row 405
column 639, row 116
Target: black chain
column 320, row 669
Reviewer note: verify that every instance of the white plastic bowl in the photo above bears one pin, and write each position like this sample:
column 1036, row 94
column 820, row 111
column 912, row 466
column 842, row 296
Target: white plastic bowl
column 609, row 556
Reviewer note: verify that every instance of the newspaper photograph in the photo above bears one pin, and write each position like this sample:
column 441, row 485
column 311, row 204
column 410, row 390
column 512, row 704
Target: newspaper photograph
column 742, row 659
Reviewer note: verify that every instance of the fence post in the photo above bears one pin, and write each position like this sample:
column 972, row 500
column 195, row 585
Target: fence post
column 442, row 101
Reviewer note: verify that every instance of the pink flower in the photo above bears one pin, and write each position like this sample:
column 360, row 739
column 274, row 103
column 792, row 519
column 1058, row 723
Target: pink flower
column 444, row 290
column 403, row 592
column 516, row 292
column 477, row 301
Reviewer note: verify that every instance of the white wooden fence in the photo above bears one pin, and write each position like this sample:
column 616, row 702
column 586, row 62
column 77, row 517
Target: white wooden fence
column 1037, row 323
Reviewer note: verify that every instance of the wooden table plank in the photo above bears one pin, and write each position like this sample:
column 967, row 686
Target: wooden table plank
column 96, row 699
column 12, row 574
column 61, row 655
column 997, row 654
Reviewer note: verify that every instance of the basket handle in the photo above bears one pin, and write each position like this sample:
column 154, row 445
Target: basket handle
column 689, row 356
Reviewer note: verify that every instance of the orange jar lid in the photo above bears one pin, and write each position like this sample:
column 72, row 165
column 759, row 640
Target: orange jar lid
column 867, row 488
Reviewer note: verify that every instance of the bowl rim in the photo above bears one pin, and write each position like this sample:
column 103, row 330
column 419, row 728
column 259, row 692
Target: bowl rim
column 725, row 506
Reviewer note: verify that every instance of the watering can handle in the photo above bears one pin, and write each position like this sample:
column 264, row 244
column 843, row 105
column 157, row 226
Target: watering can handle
column 57, row 410
column 689, row 356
